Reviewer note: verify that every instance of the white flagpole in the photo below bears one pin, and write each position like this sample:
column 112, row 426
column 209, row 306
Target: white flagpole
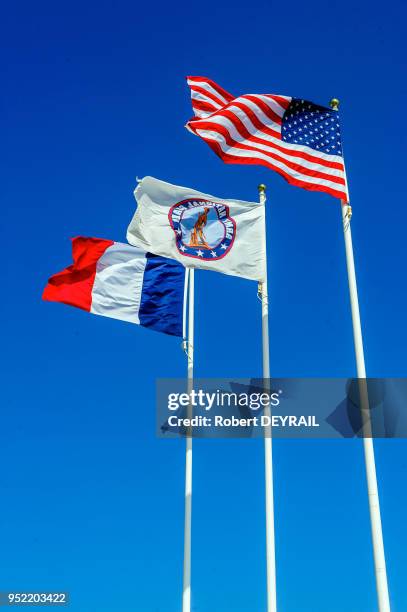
column 268, row 455
column 373, row 493
column 186, row 594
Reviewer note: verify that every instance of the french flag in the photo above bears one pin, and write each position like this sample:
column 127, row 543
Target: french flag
column 123, row 282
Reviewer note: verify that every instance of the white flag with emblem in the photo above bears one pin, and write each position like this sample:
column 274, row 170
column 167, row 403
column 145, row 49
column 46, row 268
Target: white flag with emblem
column 199, row 230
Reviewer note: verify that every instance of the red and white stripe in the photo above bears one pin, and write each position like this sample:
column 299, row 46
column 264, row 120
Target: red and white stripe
column 207, row 96
column 247, row 130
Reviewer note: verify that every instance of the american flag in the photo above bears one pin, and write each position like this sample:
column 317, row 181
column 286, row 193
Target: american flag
column 298, row 139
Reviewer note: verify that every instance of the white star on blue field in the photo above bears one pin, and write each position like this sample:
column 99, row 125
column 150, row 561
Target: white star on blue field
column 308, row 124
column 92, row 501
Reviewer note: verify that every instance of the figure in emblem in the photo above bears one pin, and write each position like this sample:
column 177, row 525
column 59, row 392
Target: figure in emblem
column 197, row 234
column 202, row 228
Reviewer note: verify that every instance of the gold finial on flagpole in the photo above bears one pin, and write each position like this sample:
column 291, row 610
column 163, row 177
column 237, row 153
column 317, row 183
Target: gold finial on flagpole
column 262, row 188
column 334, row 104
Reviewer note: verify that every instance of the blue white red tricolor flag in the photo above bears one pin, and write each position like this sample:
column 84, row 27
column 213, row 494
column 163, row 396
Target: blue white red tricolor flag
column 298, row 139
column 122, row 282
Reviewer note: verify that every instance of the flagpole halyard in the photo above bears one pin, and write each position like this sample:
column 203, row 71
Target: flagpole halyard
column 371, row 477
column 268, row 454
column 186, row 594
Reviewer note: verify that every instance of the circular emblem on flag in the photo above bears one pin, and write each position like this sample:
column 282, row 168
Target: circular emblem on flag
column 203, row 229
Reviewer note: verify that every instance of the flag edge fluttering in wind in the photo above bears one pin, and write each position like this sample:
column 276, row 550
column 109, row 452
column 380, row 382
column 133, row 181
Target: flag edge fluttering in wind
column 256, row 123
column 123, row 282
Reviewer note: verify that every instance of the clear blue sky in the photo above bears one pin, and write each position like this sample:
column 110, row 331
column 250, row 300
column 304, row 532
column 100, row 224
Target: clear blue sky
column 91, row 501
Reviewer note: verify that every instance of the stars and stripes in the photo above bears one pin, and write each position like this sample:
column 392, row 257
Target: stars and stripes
column 296, row 138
